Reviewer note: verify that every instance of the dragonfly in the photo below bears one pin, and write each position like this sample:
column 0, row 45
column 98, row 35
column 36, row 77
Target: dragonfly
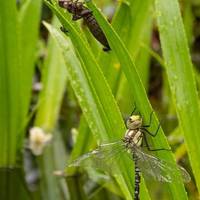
column 106, row 156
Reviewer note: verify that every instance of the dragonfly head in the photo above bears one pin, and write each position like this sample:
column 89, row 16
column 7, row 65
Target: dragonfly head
column 134, row 122
column 72, row 7
column 63, row 3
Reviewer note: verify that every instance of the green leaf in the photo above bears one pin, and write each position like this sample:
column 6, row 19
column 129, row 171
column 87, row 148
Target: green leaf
column 29, row 20
column 9, row 83
column 181, row 77
column 54, row 77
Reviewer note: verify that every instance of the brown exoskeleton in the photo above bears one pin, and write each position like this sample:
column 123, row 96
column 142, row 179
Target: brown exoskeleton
column 79, row 11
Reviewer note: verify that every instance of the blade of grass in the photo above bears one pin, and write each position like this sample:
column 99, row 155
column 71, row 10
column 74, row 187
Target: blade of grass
column 29, row 18
column 141, row 16
column 54, row 77
column 54, row 81
column 188, row 20
column 9, row 83
column 181, row 77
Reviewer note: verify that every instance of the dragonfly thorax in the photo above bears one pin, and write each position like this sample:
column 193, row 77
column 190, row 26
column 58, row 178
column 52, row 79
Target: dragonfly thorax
column 133, row 137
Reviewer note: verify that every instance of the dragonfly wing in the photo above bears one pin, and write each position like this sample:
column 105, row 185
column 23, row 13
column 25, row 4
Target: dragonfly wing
column 160, row 170
column 185, row 175
column 102, row 158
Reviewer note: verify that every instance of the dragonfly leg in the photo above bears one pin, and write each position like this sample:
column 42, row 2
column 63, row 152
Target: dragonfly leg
column 148, row 125
column 148, row 147
column 152, row 134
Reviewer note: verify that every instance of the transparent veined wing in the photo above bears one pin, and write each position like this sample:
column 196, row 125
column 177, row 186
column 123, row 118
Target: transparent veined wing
column 107, row 157
column 160, row 170
column 103, row 158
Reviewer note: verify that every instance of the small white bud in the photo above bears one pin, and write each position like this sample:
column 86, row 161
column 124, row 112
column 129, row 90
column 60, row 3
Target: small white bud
column 38, row 139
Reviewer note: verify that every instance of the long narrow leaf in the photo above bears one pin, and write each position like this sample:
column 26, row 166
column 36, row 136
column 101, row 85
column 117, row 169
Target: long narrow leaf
column 29, row 19
column 181, row 77
column 9, row 82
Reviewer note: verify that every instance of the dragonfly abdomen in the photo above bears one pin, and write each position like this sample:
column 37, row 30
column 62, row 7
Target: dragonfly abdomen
column 137, row 182
column 96, row 31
